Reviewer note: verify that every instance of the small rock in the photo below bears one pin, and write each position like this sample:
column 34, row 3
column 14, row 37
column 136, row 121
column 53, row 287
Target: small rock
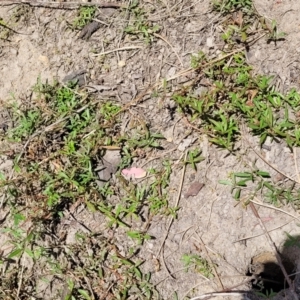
column 185, row 143
column 45, row 60
column 122, row 63
column 210, row 42
column 78, row 76
column 108, row 167
column 171, row 72
column 194, row 189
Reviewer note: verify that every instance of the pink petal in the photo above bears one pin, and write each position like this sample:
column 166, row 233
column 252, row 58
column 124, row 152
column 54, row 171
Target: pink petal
column 134, row 173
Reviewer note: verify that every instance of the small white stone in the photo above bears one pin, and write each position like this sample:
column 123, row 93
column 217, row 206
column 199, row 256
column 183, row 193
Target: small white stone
column 184, row 144
column 122, row 63
column 210, row 42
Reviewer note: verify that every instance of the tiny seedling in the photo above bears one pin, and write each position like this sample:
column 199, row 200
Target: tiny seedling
column 261, row 185
column 198, row 59
column 292, row 241
column 193, row 158
column 85, row 15
column 198, row 263
column 227, row 6
column 140, row 27
column 57, row 169
column 267, row 295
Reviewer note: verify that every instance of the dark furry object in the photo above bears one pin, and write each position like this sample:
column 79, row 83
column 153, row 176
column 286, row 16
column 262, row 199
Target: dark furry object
column 89, row 29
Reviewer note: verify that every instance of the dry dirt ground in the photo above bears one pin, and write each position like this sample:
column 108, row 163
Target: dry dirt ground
column 211, row 224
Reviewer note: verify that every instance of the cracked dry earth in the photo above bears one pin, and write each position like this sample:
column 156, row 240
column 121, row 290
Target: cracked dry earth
column 210, row 223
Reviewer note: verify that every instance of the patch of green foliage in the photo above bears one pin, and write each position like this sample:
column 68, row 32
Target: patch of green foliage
column 235, row 95
column 200, row 264
column 63, row 133
column 140, row 26
column 85, row 16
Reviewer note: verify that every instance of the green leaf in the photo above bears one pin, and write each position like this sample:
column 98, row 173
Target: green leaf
column 242, row 182
column 243, row 175
column 17, row 252
column 2, row 176
column 29, row 252
column 17, row 169
column 269, row 186
column 263, row 174
column 18, row 218
column 137, row 273
column 91, row 207
column 237, row 194
column 85, row 294
column 244, row 36
column 225, row 182
column 263, row 138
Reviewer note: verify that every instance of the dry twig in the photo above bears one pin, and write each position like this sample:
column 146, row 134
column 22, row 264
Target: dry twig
column 275, row 251
column 275, row 208
column 296, row 164
column 61, row 5
column 211, row 263
column 118, row 49
column 176, row 205
column 257, row 235
column 262, row 158
column 171, row 219
column 166, row 41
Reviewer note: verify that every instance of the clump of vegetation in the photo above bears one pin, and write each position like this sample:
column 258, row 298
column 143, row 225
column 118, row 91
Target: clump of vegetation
column 63, row 133
column 243, row 22
column 85, row 16
column 140, row 26
column 235, row 95
column 201, row 265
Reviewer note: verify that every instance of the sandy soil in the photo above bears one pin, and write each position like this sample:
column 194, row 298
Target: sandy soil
column 211, row 223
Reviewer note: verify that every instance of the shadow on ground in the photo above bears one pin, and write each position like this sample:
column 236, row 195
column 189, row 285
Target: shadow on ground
column 268, row 280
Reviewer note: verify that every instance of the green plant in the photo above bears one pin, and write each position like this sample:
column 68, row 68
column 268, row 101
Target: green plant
column 261, row 185
column 5, row 31
column 28, row 121
column 198, row 263
column 62, row 133
column 226, row 6
column 194, row 157
column 109, row 110
column 238, row 27
column 197, row 59
column 85, row 15
column 268, row 295
column 273, row 34
column 236, row 94
column 140, row 237
column 292, row 241
column 140, row 26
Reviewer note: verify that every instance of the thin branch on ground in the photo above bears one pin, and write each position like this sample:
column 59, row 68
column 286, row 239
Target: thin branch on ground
column 223, row 293
column 61, row 5
column 275, row 251
column 210, row 295
column 176, row 205
column 296, row 164
column 260, row 234
column 160, row 251
column 275, row 208
column 268, row 163
column 210, row 212
column 210, row 262
column 166, row 41
column 118, row 49
column 20, row 282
